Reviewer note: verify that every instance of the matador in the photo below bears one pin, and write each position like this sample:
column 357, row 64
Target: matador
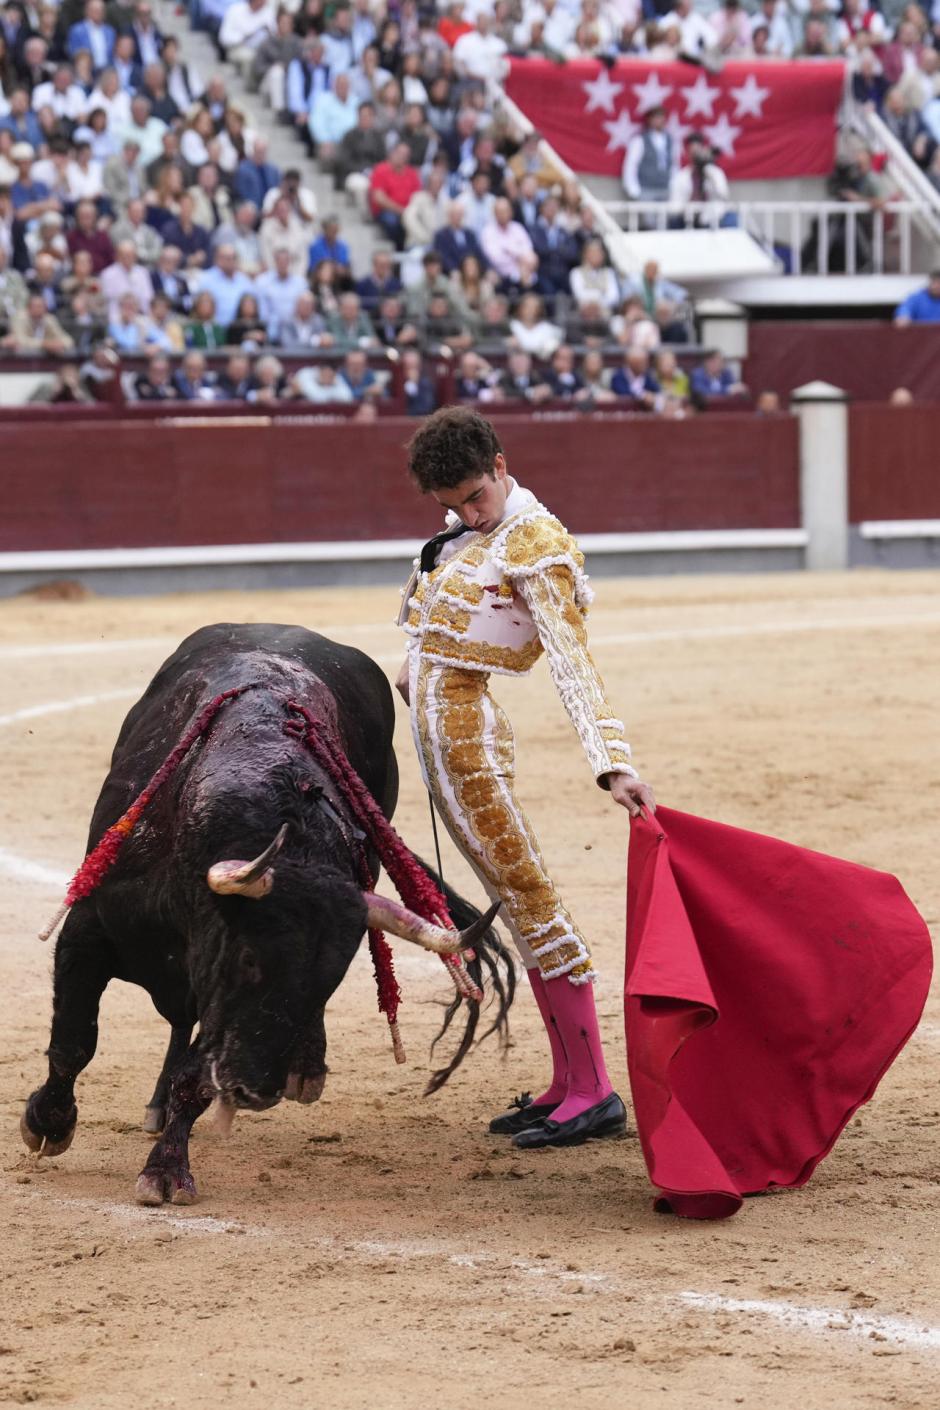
column 501, row 585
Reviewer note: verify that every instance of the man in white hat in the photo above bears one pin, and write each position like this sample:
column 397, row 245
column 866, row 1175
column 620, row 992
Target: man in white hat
column 31, row 199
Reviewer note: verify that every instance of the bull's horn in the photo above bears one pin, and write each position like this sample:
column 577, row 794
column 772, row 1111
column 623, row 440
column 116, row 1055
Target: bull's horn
column 398, row 920
column 253, row 879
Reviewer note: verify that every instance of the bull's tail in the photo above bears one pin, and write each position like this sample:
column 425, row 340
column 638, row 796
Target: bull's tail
column 493, row 971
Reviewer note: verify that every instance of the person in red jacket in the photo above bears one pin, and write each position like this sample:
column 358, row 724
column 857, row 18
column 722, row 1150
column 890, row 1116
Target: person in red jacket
column 86, row 235
column 391, row 187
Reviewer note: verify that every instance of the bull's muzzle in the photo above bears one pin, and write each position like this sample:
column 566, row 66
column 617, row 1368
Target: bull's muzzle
column 254, row 879
column 398, row 920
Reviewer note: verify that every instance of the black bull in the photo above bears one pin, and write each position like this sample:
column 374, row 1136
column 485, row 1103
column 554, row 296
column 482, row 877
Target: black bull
column 254, row 974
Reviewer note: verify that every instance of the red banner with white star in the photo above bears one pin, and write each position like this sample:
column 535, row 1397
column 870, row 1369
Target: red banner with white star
column 764, row 120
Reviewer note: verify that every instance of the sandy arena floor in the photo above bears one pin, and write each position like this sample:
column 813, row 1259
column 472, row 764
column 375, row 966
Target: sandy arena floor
column 380, row 1249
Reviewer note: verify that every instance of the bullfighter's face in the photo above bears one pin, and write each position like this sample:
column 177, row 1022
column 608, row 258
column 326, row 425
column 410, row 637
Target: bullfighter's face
column 480, row 499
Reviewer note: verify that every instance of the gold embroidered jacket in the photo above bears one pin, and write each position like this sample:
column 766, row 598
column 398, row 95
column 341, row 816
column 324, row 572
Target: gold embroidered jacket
column 500, row 600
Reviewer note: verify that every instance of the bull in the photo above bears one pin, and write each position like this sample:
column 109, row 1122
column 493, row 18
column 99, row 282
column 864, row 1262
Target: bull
column 236, row 901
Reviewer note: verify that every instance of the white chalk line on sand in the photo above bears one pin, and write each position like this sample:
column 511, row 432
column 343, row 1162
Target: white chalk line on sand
column 897, row 1332
column 25, row 870
column 60, row 707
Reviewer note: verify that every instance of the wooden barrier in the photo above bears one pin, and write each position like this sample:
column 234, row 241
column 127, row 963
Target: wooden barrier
column 893, row 459
column 866, row 359
column 121, row 482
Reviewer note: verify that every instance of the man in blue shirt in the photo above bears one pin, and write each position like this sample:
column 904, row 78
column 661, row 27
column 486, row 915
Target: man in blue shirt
column 923, row 306
column 329, row 246
column 278, row 291
column 713, row 379
column 22, row 121
column 255, row 176
column 226, row 283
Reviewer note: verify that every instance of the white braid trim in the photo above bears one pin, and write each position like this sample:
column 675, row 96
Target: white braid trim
column 611, row 724
column 564, row 969
column 589, row 978
column 544, row 929
column 615, row 768
column 487, row 670
column 569, row 938
column 435, row 629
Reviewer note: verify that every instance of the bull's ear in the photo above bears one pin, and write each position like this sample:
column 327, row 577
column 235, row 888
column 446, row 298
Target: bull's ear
column 253, row 879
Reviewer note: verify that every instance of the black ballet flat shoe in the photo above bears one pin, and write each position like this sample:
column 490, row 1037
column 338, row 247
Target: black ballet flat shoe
column 523, row 1113
column 606, row 1118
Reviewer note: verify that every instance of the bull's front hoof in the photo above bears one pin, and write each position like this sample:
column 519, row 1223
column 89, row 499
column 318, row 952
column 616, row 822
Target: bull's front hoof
column 156, row 1185
column 154, row 1120
column 47, row 1144
column 305, row 1089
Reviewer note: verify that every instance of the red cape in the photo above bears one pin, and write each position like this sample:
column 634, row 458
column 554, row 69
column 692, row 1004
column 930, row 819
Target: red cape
column 768, row 988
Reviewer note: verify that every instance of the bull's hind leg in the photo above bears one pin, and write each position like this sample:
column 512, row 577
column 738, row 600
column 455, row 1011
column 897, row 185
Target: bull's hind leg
column 82, row 971
column 167, row 1175
column 155, row 1115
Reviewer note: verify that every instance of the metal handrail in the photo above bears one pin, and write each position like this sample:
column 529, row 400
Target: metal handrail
column 792, row 223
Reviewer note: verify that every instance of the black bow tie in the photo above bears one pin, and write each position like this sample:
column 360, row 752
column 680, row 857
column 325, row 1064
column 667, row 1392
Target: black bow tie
column 429, row 552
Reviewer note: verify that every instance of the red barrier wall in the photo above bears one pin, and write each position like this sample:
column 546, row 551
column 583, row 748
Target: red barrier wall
column 868, row 360
column 123, row 483
column 893, row 462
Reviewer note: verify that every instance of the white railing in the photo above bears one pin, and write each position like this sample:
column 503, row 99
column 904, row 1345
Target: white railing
column 871, row 241
column 900, row 168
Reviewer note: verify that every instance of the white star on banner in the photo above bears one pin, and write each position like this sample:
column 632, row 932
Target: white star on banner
column 601, row 92
column 651, row 94
column 700, row 98
column 723, row 135
column 621, row 131
column 677, row 130
column 749, row 98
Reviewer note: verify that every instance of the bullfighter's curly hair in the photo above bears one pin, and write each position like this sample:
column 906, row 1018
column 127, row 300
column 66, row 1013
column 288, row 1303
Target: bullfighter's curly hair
column 453, row 445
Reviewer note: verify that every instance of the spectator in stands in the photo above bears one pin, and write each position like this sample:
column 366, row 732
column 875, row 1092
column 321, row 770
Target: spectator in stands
column 475, row 379
column 21, row 122
column 205, row 329
column 305, row 328
column 454, row 242
column 903, row 54
column 380, row 283
column 566, row 382
column 153, row 87
column 531, row 331
column 521, row 381
column 329, row 246
column 150, row 46
column 650, row 160
column 391, row 186
column 441, row 328
column 213, row 204
column 322, row 385
column 507, row 247
column 904, row 123
column 670, row 376
column 146, row 129
column 198, row 143
column 333, row 113
column 662, row 299
column 248, row 331
column 307, row 76
column 478, row 201
column 901, row 396
column 359, row 377
column 133, row 226
column 183, row 82
column 349, row 326
column 190, row 239
column 596, row 382
column 480, row 53
column 390, row 326
column 272, row 58
column 732, row 31
column 156, row 383
column 165, row 330
column 362, row 148
column 278, row 290
column 88, row 235
column 244, row 28
column 855, row 182
column 700, row 181
column 162, row 201
column 123, row 178
column 420, row 398
column 255, row 176
column 529, row 161
column 923, row 306
column 167, row 279
column 424, row 213
column 34, row 329
column 635, row 380
column 632, row 327
column 473, row 286
column 62, row 95
column 284, row 230
column 13, row 291
column 595, row 287
column 31, row 198
column 816, row 42
column 127, row 329
column 327, row 284
column 712, row 378
column 768, row 404
column 226, row 283
column 268, row 383
column 192, row 381
column 126, row 276
column 81, row 280
column 242, row 235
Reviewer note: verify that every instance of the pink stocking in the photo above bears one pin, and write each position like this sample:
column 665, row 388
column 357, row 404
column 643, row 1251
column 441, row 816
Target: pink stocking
column 575, row 1023
column 558, row 1087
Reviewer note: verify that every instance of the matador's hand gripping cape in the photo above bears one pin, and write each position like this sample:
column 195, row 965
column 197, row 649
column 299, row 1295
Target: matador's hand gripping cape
column 768, row 990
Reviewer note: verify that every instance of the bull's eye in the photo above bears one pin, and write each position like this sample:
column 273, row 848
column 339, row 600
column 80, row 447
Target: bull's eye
column 249, row 968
